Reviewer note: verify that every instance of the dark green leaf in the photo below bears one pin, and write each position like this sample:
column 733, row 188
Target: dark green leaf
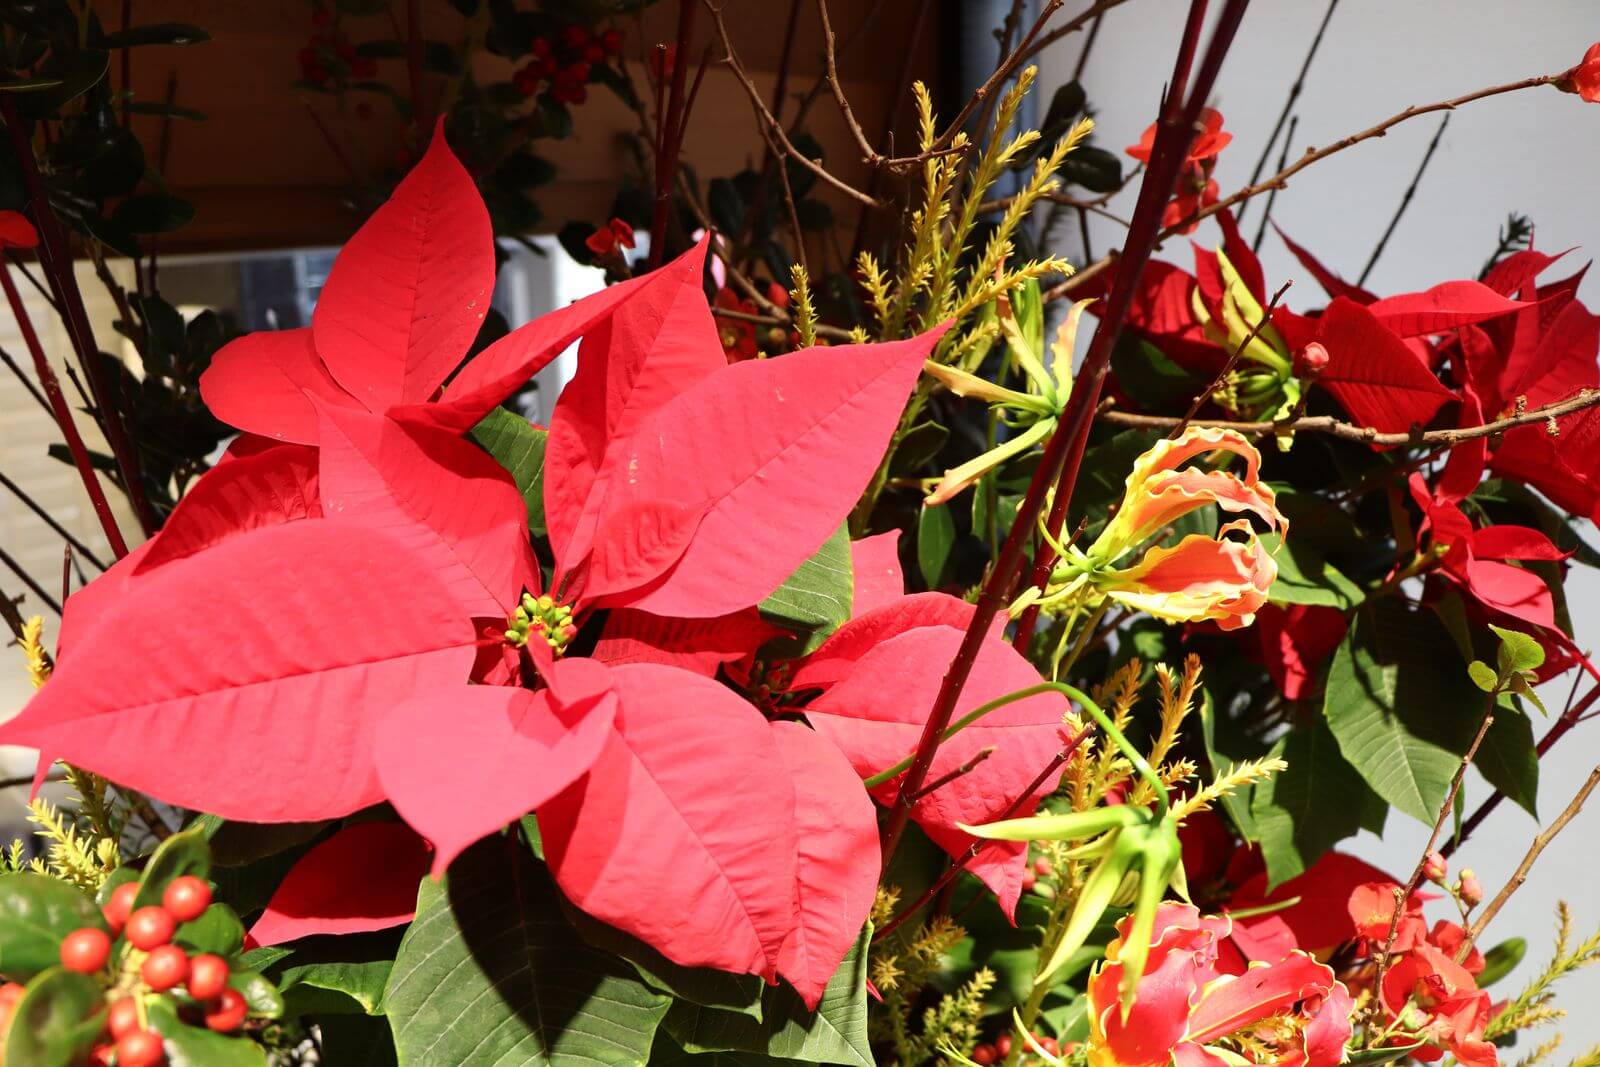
column 1396, row 699
column 218, row 931
column 1377, row 1057
column 1102, row 477
column 726, row 205
column 336, row 987
column 519, row 447
column 1304, row 577
column 918, row 446
column 179, row 855
column 490, row 972
column 1148, row 376
column 57, row 1020
column 358, row 1041
column 234, row 844
column 1508, row 760
column 1093, row 168
column 814, row 215
column 195, row 1046
column 155, row 33
column 36, row 912
column 835, row 1033
column 816, row 598
column 1304, row 810
column 697, row 985
column 936, row 538
column 1502, row 960
column 1066, row 104
column 259, row 993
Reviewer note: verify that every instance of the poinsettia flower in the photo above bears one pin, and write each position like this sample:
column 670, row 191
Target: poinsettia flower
column 1185, row 1011
column 1201, row 577
column 1584, row 79
column 611, row 237
column 1208, row 143
column 1372, row 907
column 1193, row 196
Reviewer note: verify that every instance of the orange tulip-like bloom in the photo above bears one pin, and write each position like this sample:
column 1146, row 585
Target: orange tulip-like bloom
column 1188, row 1013
column 1223, row 577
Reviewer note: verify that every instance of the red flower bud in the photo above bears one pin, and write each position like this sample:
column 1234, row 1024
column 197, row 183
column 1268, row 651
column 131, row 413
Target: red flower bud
column 1471, row 892
column 1435, row 868
column 1311, row 361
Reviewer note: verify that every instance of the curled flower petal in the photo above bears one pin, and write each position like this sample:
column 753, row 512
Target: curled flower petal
column 1198, row 578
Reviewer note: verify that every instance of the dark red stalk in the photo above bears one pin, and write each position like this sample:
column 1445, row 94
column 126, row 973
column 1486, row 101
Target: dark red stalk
column 1064, row 450
column 56, row 260
column 671, row 134
column 420, row 112
column 63, row 416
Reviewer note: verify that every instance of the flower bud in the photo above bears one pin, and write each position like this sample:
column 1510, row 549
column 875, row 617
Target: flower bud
column 1471, row 892
column 1311, row 361
column 1435, row 869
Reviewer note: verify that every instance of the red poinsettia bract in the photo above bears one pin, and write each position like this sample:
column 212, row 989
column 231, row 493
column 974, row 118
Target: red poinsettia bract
column 296, row 643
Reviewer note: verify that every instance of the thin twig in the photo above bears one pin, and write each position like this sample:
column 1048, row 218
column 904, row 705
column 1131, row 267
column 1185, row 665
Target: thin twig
column 1289, row 101
column 1025, row 48
column 63, row 416
column 1272, row 197
column 49, row 520
column 1521, row 875
column 670, row 134
column 1089, row 15
column 33, row 279
column 33, row 390
column 27, row 580
column 971, row 853
column 945, row 779
column 1403, row 895
column 1327, row 424
column 1405, row 200
column 1088, row 46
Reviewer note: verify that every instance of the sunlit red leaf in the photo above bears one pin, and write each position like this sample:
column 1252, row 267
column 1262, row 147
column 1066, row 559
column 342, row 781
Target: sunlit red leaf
column 460, row 762
column 838, row 655
column 266, row 489
column 837, row 867
column 1372, row 373
column 875, row 562
column 278, row 648
column 1443, row 307
column 442, row 497
column 697, row 645
column 876, row 714
column 680, row 834
column 1334, row 285
column 264, row 382
column 362, row 878
column 407, row 294
column 797, row 436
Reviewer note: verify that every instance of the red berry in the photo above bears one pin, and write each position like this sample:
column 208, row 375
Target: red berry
column 116, row 909
column 1028, row 878
column 540, row 46
column 226, row 1012
column 165, row 968
column 1049, row 1045
column 1042, row 865
column 208, row 976
column 102, row 1056
column 141, row 1048
column 574, row 35
column 593, row 53
column 187, row 898
column 1002, row 1044
column 85, row 950
column 150, row 927
column 123, row 1017
column 984, row 1054
column 611, row 41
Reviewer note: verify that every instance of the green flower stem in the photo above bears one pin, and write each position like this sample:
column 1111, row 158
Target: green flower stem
column 1071, row 692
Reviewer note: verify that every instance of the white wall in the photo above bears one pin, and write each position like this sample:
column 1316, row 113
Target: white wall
column 1537, row 152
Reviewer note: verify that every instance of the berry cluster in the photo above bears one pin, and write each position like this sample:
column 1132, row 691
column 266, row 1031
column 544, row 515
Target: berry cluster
column 562, row 66
column 329, row 57
column 149, row 965
column 1001, row 1048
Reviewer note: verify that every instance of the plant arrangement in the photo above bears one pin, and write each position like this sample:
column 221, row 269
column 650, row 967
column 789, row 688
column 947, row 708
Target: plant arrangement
column 869, row 687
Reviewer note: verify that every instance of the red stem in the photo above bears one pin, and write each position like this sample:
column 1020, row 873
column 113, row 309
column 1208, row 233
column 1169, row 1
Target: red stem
column 63, row 415
column 671, row 133
column 56, row 259
column 1064, row 450
column 414, row 55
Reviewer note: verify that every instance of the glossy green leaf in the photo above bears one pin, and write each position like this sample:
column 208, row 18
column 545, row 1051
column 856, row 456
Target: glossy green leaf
column 259, row 993
column 181, row 854
column 1483, row 675
column 1304, row 577
column 217, row 931
column 1398, row 700
column 936, row 538
column 56, row 1021
column 835, row 1033
column 490, row 972
column 36, row 912
column 1237, row 803
column 816, row 598
column 195, row 1046
column 1518, row 651
column 337, row 987
column 518, row 446
column 1304, row 810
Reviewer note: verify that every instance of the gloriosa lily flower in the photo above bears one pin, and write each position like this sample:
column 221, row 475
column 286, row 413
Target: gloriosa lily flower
column 1223, row 578
column 1034, row 412
column 1263, row 385
column 1188, row 1013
